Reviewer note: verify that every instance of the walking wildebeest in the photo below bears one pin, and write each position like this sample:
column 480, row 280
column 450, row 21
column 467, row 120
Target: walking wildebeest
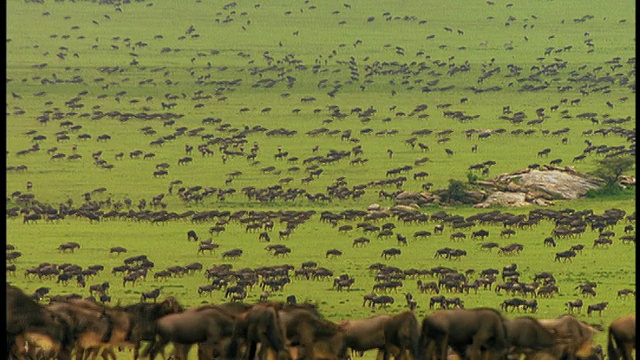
column 153, row 294
column 526, row 335
column 577, row 304
column 473, row 332
column 27, row 321
column 207, row 325
column 259, row 324
column 599, row 307
column 621, row 339
column 310, row 335
column 574, row 338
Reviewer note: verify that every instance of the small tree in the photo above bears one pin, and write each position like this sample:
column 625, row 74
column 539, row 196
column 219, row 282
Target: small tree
column 456, row 189
column 611, row 169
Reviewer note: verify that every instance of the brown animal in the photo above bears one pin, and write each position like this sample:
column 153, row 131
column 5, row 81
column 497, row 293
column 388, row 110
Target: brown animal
column 478, row 333
column 621, row 340
column 574, row 338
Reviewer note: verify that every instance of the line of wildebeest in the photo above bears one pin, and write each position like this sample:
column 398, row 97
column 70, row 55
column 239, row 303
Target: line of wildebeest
column 82, row 328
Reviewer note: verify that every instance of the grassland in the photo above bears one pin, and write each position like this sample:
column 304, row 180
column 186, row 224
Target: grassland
column 232, row 62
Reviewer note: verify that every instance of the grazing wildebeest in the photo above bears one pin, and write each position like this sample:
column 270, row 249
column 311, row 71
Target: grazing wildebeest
column 333, row 253
column 118, row 250
column 602, row 242
column 191, row 235
column 29, row 321
column 625, row 293
column 233, row 254
column 264, row 236
column 575, row 304
column 621, row 339
column 599, row 307
column 549, row 242
column 473, row 332
column 440, row 299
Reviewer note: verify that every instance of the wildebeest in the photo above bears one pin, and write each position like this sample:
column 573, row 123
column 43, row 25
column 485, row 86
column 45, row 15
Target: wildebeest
column 526, row 335
column 153, row 294
column 472, row 332
column 191, row 235
column 621, row 339
column 599, row 307
column 310, row 335
column 207, row 326
column 259, row 324
column 393, row 252
column 575, row 304
column 71, row 246
column 573, row 338
column 565, row 255
column 233, row 254
column 28, row 321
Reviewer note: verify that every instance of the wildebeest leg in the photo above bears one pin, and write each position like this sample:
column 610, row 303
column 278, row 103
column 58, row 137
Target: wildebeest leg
column 181, row 351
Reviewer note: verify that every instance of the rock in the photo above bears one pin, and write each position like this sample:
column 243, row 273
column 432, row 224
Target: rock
column 405, row 208
column 374, row 207
column 558, row 184
column 500, row 198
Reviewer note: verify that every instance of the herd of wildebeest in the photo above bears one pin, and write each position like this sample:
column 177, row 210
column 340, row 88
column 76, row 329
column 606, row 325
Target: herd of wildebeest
column 231, row 330
column 275, row 330
column 42, row 325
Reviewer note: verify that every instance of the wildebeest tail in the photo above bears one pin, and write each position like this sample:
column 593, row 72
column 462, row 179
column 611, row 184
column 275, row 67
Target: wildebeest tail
column 612, row 351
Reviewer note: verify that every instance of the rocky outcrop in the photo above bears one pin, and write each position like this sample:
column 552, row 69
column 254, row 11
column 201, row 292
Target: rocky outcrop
column 558, row 183
column 520, row 188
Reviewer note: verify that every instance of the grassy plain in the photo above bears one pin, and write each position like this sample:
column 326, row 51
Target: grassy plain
column 133, row 57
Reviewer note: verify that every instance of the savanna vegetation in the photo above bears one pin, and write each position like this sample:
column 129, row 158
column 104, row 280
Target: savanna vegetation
column 146, row 114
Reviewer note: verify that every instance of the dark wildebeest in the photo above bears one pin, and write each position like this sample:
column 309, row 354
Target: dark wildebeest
column 29, row 321
column 621, row 340
column 577, row 304
column 191, row 235
column 565, row 255
column 208, row 326
column 473, row 332
column 234, row 253
column 90, row 327
column 390, row 334
column 71, row 246
column 309, row 336
column 393, row 252
column 364, row 334
column 599, row 307
column 153, row 294
column 259, row 324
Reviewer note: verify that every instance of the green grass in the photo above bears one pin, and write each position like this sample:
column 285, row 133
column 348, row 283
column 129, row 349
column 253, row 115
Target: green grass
column 239, row 63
